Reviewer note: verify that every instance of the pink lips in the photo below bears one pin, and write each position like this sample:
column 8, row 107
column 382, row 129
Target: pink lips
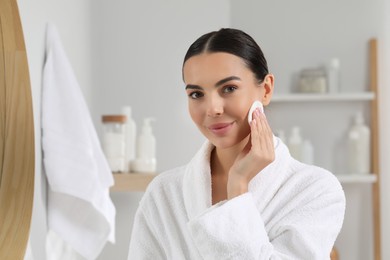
column 220, row 128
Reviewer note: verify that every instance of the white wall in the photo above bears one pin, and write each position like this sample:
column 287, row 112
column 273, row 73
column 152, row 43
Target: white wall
column 304, row 33
column 384, row 99
column 139, row 64
column 139, row 48
column 73, row 22
column 136, row 64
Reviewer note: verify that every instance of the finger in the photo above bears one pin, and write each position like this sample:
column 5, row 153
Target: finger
column 266, row 133
column 255, row 132
column 258, row 140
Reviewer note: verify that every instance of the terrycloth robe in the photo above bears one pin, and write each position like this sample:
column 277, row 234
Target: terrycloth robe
column 291, row 211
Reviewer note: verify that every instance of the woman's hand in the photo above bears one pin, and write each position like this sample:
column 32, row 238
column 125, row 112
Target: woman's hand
column 257, row 154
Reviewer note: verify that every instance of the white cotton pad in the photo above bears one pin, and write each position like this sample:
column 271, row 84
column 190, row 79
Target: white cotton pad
column 256, row 104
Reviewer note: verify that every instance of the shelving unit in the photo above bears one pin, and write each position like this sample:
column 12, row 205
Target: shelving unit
column 375, row 147
column 373, row 179
column 131, row 182
column 356, row 178
column 137, row 182
column 295, row 97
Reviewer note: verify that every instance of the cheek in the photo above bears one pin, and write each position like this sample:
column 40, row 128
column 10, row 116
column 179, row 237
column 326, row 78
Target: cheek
column 195, row 112
column 241, row 107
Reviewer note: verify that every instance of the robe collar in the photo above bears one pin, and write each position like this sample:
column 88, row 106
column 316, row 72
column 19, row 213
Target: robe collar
column 197, row 178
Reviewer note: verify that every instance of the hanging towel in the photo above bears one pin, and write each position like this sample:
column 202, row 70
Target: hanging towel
column 28, row 255
column 80, row 210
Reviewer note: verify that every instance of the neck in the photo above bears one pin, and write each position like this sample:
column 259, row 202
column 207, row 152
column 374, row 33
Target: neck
column 222, row 159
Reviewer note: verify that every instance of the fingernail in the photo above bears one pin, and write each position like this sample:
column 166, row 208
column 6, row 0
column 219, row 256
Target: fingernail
column 258, row 112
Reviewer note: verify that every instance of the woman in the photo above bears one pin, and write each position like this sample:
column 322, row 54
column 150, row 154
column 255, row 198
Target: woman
column 242, row 196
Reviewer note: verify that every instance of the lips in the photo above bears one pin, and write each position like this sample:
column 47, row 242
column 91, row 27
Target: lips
column 220, row 128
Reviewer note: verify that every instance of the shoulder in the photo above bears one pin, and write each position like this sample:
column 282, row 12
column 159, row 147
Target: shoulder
column 164, row 184
column 316, row 179
column 301, row 175
column 169, row 177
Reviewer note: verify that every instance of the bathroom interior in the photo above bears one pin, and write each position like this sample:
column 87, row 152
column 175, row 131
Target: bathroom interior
column 130, row 53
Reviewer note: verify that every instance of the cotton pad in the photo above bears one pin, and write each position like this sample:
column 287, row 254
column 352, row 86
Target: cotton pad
column 256, row 104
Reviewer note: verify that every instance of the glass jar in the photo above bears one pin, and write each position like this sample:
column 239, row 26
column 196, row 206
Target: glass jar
column 114, row 141
column 312, row 81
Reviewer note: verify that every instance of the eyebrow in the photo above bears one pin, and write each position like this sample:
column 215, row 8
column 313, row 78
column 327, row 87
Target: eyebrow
column 219, row 83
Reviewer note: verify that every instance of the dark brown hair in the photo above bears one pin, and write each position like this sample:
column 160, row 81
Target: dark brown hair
column 235, row 42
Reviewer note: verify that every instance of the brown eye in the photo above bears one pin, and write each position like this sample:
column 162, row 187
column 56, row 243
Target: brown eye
column 195, row 95
column 229, row 89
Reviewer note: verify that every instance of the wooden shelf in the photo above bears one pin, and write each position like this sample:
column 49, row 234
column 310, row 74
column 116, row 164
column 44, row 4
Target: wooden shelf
column 357, row 178
column 127, row 182
column 137, row 182
column 308, row 97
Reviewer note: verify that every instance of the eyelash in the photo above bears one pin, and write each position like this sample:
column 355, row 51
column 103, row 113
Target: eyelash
column 226, row 90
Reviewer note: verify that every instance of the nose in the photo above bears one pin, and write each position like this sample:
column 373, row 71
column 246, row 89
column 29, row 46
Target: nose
column 215, row 107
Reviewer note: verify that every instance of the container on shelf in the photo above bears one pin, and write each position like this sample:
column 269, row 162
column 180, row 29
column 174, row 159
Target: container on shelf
column 359, row 147
column 307, row 152
column 130, row 138
column 312, row 81
column 146, row 149
column 114, row 141
column 295, row 143
column 333, row 75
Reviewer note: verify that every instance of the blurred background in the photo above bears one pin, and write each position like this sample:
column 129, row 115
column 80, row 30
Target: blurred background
column 131, row 53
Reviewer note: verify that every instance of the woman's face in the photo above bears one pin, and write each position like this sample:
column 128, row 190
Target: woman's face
column 221, row 90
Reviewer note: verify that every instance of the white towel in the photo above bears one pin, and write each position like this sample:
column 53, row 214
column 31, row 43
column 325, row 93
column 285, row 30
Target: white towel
column 28, row 255
column 80, row 210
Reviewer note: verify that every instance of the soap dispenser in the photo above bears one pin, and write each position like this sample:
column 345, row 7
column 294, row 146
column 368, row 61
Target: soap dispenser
column 359, row 146
column 146, row 149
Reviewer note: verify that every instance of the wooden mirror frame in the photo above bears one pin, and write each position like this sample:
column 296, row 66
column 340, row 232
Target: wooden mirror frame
column 16, row 136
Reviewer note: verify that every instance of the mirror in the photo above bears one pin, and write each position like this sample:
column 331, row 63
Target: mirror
column 16, row 136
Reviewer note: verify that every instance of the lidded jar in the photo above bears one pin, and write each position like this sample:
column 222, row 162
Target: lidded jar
column 114, row 141
column 312, row 81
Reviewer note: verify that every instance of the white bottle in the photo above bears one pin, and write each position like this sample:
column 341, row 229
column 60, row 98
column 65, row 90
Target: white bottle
column 307, row 152
column 359, row 149
column 281, row 135
column 146, row 149
column 295, row 143
column 333, row 75
column 130, row 138
column 114, row 141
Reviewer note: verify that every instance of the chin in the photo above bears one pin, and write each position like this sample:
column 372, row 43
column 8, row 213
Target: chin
column 224, row 143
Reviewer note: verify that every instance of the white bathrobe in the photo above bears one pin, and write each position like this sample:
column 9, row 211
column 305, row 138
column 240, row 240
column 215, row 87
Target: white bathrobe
column 292, row 211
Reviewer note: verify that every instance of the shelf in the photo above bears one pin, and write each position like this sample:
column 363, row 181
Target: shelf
column 295, row 97
column 127, row 182
column 357, row 178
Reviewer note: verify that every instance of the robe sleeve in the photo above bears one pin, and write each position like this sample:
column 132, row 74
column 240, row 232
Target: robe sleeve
column 235, row 230
column 143, row 242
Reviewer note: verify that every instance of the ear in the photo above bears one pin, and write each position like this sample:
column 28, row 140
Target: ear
column 268, row 89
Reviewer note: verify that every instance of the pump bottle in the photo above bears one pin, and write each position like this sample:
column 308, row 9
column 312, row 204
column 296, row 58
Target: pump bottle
column 359, row 146
column 130, row 138
column 146, row 149
column 295, row 143
column 333, row 75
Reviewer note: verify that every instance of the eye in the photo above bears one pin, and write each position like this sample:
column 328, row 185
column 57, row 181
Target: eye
column 229, row 89
column 195, row 95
